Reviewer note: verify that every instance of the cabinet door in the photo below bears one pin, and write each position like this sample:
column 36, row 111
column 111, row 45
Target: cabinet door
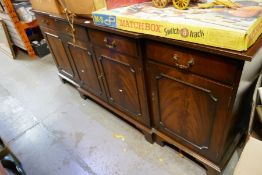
column 86, row 68
column 59, row 54
column 123, row 79
column 187, row 107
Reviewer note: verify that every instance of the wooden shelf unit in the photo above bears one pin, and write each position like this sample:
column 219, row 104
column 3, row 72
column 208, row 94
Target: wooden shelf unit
column 20, row 27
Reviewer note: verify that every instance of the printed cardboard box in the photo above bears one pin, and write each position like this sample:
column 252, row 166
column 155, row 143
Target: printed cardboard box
column 235, row 29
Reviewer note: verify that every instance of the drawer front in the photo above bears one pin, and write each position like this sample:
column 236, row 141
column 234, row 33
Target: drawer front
column 62, row 27
column 45, row 21
column 114, row 42
column 203, row 64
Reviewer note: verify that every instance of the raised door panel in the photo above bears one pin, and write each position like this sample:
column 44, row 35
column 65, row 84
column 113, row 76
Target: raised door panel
column 122, row 85
column 180, row 111
column 186, row 107
column 86, row 68
column 123, row 79
column 62, row 61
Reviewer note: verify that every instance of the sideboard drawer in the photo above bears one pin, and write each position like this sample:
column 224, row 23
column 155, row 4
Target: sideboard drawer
column 45, row 21
column 117, row 43
column 63, row 27
column 206, row 65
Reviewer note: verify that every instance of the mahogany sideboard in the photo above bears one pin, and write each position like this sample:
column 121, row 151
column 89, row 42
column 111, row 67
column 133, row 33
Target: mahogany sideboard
column 188, row 95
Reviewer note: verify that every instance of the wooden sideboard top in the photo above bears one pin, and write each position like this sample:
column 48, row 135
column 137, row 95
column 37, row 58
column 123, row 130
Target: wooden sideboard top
column 244, row 55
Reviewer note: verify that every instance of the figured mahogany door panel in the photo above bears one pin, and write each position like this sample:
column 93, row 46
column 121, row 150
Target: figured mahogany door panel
column 180, row 111
column 186, row 106
column 62, row 61
column 122, row 85
column 85, row 65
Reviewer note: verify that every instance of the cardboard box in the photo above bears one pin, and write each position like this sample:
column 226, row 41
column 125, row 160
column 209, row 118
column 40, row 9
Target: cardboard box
column 235, row 29
column 84, row 7
column 249, row 162
column 80, row 7
column 111, row 4
column 51, row 6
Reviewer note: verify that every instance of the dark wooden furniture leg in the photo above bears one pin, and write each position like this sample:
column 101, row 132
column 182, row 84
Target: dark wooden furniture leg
column 82, row 95
column 149, row 137
column 212, row 171
column 62, row 80
column 159, row 141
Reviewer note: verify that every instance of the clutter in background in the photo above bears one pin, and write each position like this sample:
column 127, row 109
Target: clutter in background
column 248, row 163
column 38, row 43
column 8, row 161
column 41, row 48
column 111, row 4
column 21, row 25
column 2, row 9
column 6, row 45
column 24, row 11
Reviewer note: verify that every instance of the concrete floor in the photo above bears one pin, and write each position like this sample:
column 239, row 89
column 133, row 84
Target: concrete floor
column 55, row 132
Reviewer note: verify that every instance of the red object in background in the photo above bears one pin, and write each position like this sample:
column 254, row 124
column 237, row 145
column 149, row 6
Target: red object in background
column 111, row 4
column 2, row 170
